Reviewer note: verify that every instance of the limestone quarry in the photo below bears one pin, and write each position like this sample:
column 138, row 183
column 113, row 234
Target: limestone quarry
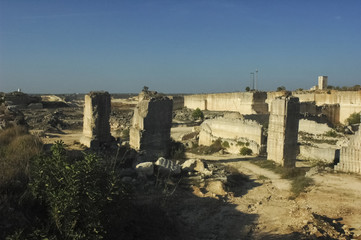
column 226, row 193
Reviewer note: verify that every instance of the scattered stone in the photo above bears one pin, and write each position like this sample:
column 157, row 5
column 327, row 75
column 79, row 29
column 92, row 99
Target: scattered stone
column 167, row 166
column 145, row 168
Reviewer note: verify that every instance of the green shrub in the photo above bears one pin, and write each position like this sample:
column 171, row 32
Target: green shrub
column 225, row 144
column 354, row 118
column 84, row 198
column 245, row 151
column 332, row 133
column 198, row 114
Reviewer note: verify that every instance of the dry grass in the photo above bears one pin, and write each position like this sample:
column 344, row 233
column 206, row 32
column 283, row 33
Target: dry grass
column 17, row 146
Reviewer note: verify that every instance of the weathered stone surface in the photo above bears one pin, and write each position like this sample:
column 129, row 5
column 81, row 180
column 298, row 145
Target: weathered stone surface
column 166, row 166
column 145, row 168
column 313, row 127
column 283, row 131
column 151, row 124
column 350, row 156
column 233, row 131
column 96, row 127
column 327, row 155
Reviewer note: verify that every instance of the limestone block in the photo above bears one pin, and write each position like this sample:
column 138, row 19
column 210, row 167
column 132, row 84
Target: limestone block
column 350, row 156
column 145, row 168
column 151, row 125
column 283, row 131
column 166, row 166
column 232, row 130
column 96, row 127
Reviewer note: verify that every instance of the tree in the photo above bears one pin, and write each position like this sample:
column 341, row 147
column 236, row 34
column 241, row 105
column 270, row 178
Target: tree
column 281, row 88
column 198, row 114
column 354, row 118
column 248, row 89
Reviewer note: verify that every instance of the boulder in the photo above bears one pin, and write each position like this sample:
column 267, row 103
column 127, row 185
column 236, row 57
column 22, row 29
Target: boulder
column 166, row 166
column 145, row 168
column 216, row 187
column 196, row 165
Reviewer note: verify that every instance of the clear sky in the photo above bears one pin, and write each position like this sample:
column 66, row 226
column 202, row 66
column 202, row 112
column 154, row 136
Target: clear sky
column 173, row 46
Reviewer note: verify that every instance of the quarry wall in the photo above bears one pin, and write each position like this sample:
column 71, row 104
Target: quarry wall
column 348, row 101
column 336, row 105
column 242, row 102
column 233, row 131
column 313, row 127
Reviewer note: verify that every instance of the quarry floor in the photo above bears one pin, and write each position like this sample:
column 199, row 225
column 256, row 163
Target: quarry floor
column 261, row 207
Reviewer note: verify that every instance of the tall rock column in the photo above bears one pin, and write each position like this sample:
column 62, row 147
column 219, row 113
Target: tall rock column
column 283, row 131
column 350, row 156
column 152, row 122
column 96, row 127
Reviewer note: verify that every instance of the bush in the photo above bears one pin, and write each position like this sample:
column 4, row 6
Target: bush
column 354, row 118
column 245, row 151
column 225, row 144
column 197, row 114
column 332, row 133
column 84, row 198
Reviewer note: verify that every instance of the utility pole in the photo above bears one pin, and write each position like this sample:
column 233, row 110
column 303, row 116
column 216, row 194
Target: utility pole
column 256, row 79
column 252, row 80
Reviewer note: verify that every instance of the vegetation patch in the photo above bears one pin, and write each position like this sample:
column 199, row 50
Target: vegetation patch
column 245, row 151
column 216, row 146
column 354, row 118
column 225, row 144
column 198, row 114
column 333, row 134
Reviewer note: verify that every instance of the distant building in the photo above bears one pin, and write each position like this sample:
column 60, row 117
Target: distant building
column 322, row 82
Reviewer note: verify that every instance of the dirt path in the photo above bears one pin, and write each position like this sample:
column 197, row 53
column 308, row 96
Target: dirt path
column 331, row 206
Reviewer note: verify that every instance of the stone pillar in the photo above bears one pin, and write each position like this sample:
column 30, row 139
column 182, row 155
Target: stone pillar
column 96, row 127
column 322, row 82
column 350, row 156
column 150, row 130
column 283, row 131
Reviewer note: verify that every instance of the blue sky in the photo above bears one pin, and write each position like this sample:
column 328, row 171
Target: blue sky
column 177, row 46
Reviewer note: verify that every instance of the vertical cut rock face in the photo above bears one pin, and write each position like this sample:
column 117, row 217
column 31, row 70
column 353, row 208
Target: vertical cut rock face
column 96, row 127
column 150, row 131
column 283, row 131
column 350, row 156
